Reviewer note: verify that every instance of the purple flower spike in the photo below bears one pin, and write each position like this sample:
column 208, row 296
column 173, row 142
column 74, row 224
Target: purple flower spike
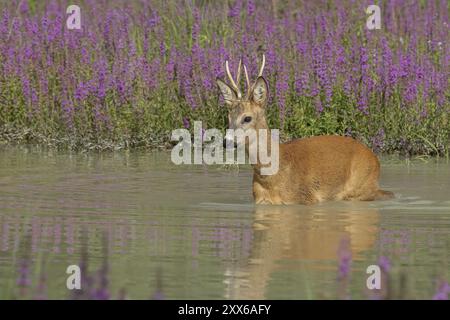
column 186, row 123
column 443, row 291
column 24, row 279
column 384, row 263
column 158, row 295
column 101, row 294
column 345, row 259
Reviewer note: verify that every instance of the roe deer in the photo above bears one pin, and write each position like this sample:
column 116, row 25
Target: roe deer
column 310, row 169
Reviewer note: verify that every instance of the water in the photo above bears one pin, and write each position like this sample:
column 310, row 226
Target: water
column 192, row 232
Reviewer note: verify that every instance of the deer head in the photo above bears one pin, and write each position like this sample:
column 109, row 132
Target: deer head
column 248, row 111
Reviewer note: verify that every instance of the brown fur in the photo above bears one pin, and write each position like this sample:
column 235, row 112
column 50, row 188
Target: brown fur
column 321, row 168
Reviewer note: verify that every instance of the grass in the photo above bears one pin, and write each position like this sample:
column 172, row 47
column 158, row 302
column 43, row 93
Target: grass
column 41, row 99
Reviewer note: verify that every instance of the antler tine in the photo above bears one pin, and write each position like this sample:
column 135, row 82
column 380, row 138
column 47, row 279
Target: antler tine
column 262, row 65
column 233, row 84
column 227, row 68
column 247, row 78
column 238, row 77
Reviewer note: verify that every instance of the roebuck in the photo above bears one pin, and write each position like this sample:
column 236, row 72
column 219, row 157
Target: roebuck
column 311, row 169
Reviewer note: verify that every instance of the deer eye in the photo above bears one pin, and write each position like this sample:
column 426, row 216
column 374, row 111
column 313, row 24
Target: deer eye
column 247, row 119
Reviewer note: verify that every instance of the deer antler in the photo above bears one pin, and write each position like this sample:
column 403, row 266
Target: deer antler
column 233, row 84
column 261, row 69
column 262, row 65
column 247, row 78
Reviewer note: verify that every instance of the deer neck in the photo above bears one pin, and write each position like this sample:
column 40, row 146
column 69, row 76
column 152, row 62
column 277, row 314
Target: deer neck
column 259, row 143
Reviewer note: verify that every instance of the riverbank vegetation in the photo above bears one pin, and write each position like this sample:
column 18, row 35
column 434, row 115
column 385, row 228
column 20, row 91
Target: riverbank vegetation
column 136, row 70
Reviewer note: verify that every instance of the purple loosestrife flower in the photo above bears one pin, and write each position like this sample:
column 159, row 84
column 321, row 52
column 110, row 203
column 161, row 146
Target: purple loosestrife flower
column 405, row 64
column 235, row 9
column 24, row 269
column 123, row 54
column 53, row 30
column 158, row 295
column 85, row 57
column 26, row 88
column 322, row 23
column 28, row 52
column 67, row 111
column 299, row 30
column 443, row 291
column 102, row 292
column 81, row 91
column 198, row 60
column 348, row 132
column 186, row 123
column 410, row 93
column 340, row 58
column 385, row 264
column 24, row 279
column 314, row 90
column 282, row 87
column 86, row 279
column 43, row 82
column 154, row 20
column 384, row 66
column 320, row 70
column 146, row 73
column 365, row 84
column 378, row 140
column 344, row 267
column 318, row 105
column 44, row 23
column 171, row 64
column 251, row 7
column 271, row 58
column 196, row 25
column 34, row 101
column 162, row 49
column 24, row 8
column 4, row 23
column 9, row 67
column 363, row 104
column 363, row 62
column 345, row 259
column 102, row 72
column 186, row 82
column 302, row 84
column 302, row 48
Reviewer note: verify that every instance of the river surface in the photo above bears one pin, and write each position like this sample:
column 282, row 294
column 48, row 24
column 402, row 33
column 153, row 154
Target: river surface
column 142, row 228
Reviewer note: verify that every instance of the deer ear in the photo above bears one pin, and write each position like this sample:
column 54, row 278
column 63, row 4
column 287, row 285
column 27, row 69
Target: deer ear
column 228, row 94
column 260, row 91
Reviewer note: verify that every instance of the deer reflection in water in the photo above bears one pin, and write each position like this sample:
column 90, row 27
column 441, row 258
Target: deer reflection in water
column 301, row 234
